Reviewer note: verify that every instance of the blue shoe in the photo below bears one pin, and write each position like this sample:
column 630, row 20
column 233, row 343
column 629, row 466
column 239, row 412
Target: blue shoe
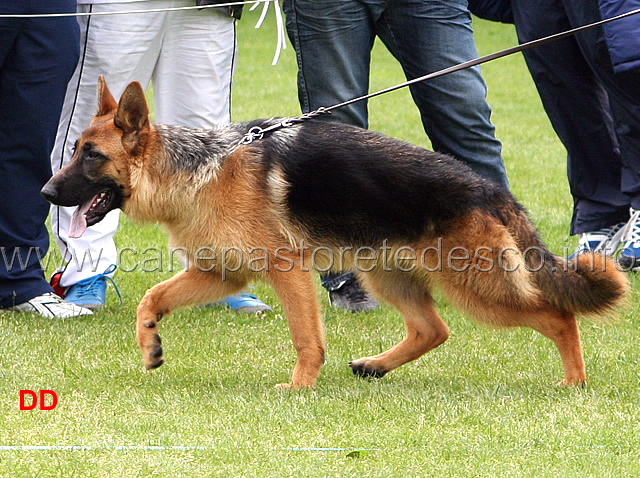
column 244, row 303
column 629, row 258
column 605, row 241
column 91, row 292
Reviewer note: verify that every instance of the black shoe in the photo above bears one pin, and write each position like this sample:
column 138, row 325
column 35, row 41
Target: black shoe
column 346, row 293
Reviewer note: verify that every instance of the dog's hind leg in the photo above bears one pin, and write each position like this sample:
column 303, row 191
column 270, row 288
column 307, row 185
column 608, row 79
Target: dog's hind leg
column 185, row 288
column 425, row 329
column 562, row 329
column 298, row 295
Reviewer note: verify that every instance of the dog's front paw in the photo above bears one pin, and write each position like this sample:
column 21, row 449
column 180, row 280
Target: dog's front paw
column 152, row 365
column 153, row 357
column 365, row 368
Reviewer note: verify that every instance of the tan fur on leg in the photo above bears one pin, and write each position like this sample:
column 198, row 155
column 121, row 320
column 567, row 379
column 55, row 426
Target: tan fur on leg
column 185, row 288
column 562, row 329
column 297, row 294
column 425, row 329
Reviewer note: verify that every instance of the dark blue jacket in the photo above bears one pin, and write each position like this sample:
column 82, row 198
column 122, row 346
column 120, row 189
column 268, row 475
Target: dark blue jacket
column 622, row 36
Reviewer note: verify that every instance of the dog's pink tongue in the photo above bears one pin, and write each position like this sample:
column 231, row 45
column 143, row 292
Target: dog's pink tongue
column 78, row 221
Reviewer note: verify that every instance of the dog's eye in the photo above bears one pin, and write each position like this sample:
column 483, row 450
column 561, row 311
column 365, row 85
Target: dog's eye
column 93, row 156
column 90, row 154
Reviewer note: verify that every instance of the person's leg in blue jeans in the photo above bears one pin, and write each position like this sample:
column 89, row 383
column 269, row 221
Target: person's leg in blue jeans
column 430, row 35
column 333, row 42
column 37, row 58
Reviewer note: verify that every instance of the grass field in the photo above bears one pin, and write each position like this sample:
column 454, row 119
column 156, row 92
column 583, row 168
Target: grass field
column 484, row 404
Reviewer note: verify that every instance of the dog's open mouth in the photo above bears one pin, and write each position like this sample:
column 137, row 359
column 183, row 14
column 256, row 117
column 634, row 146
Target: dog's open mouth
column 91, row 212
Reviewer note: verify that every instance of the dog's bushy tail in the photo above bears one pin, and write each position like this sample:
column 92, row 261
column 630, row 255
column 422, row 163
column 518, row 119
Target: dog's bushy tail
column 587, row 285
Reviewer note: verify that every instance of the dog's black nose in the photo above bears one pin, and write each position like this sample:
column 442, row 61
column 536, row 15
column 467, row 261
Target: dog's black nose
column 49, row 192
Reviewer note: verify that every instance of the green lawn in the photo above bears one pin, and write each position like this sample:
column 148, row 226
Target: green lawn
column 484, row 404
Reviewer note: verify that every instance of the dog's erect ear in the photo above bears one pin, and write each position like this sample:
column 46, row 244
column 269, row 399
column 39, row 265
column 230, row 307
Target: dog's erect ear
column 106, row 103
column 132, row 117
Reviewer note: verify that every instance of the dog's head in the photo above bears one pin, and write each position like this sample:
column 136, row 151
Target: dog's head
column 98, row 178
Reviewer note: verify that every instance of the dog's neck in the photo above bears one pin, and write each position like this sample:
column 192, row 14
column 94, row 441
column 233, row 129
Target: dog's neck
column 175, row 151
column 191, row 150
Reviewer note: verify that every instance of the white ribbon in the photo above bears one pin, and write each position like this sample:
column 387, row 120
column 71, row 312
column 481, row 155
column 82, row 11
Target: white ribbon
column 281, row 40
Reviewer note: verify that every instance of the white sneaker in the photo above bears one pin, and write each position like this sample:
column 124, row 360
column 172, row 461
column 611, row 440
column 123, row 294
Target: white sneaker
column 605, row 241
column 51, row 306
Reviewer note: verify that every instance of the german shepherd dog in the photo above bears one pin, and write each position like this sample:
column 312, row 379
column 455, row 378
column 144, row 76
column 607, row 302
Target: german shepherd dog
column 407, row 220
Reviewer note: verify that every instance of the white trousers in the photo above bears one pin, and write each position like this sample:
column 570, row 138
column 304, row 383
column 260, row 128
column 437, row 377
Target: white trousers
column 188, row 55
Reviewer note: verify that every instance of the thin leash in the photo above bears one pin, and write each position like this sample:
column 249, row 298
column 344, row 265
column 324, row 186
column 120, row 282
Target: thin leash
column 257, row 132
